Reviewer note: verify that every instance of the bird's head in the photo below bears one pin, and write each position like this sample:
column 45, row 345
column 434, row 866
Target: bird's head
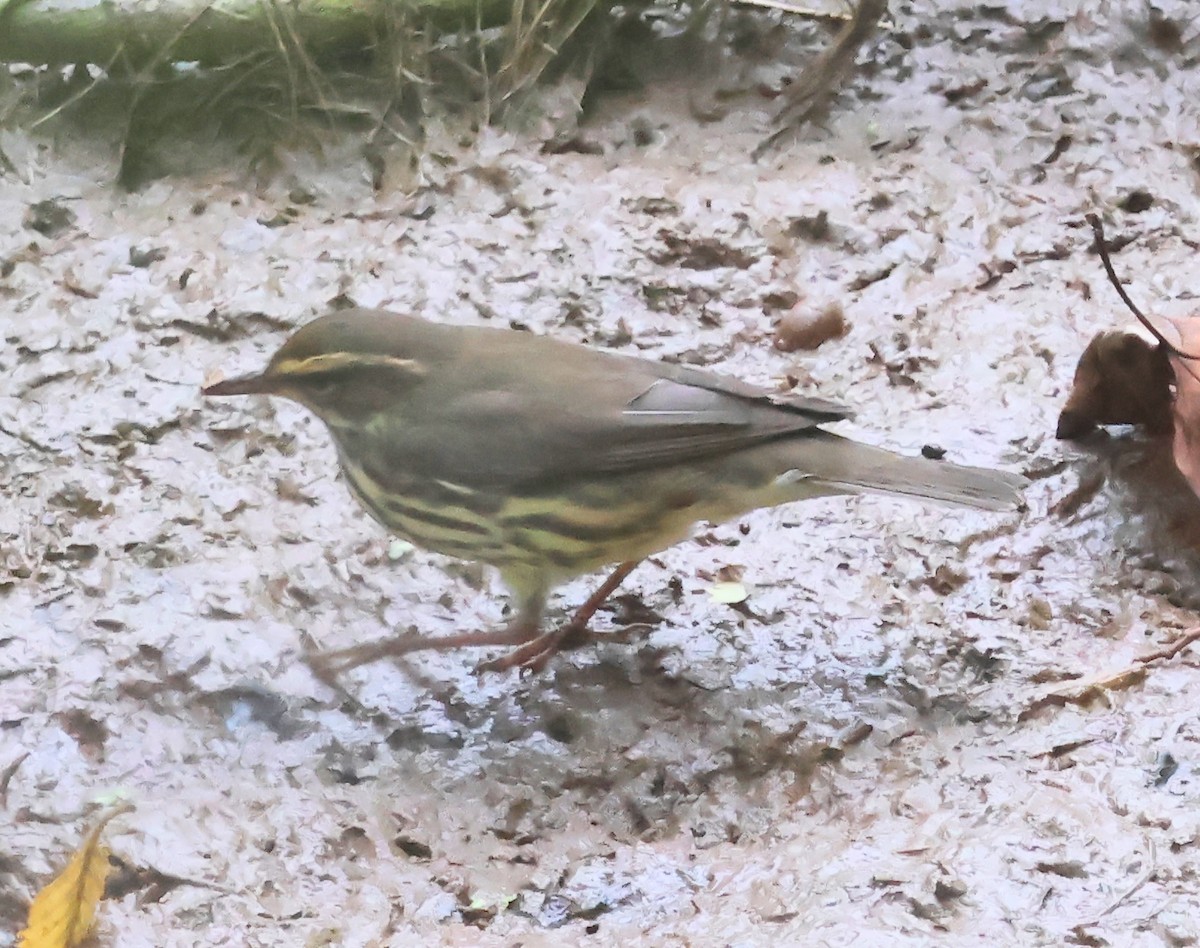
column 345, row 367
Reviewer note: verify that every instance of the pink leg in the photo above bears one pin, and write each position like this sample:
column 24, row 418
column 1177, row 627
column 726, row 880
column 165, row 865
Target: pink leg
column 533, row 654
column 326, row 665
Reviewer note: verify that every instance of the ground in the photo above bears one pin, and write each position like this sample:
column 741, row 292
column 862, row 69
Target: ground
column 921, row 726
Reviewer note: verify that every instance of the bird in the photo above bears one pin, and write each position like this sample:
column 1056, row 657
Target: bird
column 549, row 459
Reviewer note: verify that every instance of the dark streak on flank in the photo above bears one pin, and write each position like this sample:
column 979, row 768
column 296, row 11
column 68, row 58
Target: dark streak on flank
column 582, row 532
column 436, row 520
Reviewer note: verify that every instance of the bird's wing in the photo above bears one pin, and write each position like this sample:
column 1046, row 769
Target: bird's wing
column 677, row 419
column 614, row 415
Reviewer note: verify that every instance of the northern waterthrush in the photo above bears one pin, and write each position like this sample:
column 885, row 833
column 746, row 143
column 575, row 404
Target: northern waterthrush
column 547, row 459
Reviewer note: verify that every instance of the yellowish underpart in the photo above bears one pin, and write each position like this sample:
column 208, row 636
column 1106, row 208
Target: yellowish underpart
column 537, row 541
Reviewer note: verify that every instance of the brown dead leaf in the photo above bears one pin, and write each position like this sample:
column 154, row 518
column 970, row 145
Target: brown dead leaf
column 1121, row 379
column 1186, row 406
column 699, row 253
column 804, row 328
column 1083, row 693
column 63, row 913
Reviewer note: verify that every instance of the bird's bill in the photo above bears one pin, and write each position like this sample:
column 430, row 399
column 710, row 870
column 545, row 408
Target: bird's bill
column 243, row 385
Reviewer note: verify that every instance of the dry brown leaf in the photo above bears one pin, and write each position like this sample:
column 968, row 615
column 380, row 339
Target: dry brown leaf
column 1125, row 379
column 1186, row 407
column 64, row 911
column 1083, row 693
column 1121, row 379
column 803, row 327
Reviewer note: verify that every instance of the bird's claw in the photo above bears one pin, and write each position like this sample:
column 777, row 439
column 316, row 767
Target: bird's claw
column 533, row 656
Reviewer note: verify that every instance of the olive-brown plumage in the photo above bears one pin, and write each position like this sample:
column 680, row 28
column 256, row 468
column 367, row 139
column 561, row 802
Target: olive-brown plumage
column 548, row 459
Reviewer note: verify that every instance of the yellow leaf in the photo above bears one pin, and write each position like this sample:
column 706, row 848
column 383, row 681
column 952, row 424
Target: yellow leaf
column 63, row 912
column 729, row 594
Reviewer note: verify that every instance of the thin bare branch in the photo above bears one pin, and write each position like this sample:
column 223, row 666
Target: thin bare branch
column 1102, row 249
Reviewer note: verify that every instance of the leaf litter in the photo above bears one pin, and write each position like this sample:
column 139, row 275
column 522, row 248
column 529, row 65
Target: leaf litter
column 844, row 760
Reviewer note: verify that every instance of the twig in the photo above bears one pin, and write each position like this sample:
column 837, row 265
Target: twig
column 72, row 99
column 1151, row 866
column 1085, row 692
column 1098, row 230
column 1173, row 648
column 6, row 776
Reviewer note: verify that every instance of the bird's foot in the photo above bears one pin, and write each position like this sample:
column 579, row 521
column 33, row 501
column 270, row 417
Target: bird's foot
column 535, row 655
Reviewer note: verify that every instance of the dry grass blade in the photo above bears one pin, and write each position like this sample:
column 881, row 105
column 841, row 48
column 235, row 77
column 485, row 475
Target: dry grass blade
column 129, row 147
column 812, row 92
column 6, row 776
column 811, row 13
column 306, row 82
column 289, row 87
column 534, row 38
column 82, row 93
column 783, row 6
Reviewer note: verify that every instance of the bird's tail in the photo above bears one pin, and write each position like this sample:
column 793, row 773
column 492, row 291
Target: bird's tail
column 840, row 465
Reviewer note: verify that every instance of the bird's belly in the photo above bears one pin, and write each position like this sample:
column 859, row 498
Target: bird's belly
column 568, row 540
column 564, row 529
column 434, row 515
column 559, row 532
